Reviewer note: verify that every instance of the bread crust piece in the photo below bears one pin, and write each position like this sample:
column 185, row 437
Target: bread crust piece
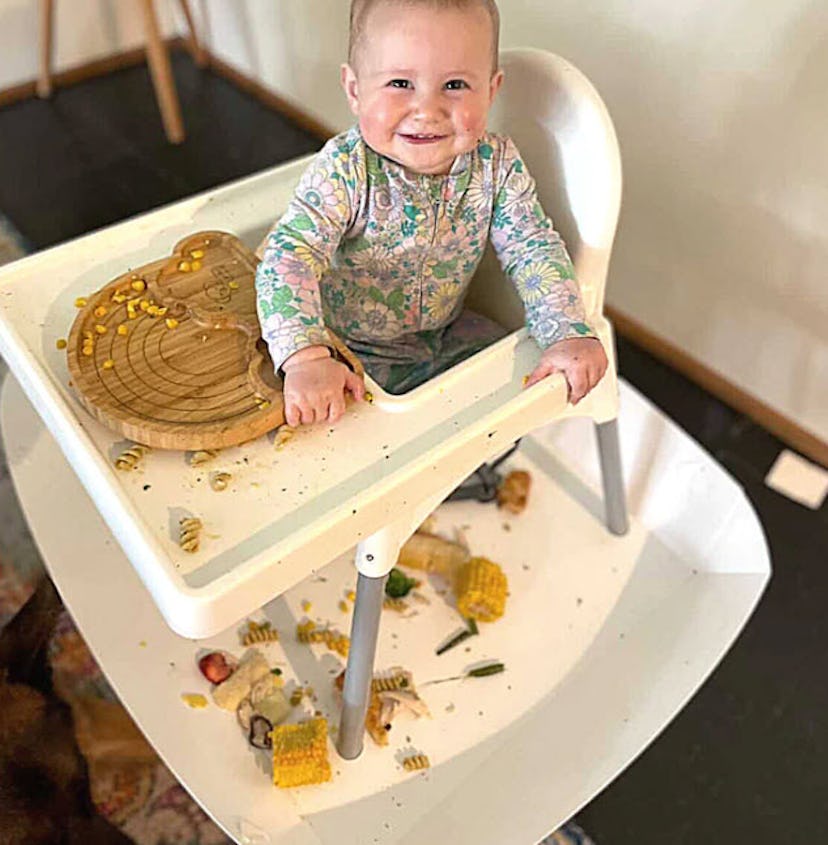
column 228, row 694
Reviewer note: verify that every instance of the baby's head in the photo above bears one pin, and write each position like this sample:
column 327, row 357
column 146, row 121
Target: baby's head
column 421, row 76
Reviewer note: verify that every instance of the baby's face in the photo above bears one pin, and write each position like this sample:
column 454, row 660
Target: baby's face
column 422, row 83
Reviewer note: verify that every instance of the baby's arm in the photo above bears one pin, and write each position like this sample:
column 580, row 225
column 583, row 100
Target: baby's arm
column 297, row 252
column 534, row 256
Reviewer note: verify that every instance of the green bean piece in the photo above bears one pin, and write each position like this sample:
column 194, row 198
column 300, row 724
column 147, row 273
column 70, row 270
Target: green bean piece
column 483, row 671
column 456, row 640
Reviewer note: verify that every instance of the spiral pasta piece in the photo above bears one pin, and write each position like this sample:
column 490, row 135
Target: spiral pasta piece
column 131, row 457
column 189, row 536
column 416, row 763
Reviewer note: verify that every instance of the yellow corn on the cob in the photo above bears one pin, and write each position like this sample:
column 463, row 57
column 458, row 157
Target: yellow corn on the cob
column 300, row 754
column 481, row 590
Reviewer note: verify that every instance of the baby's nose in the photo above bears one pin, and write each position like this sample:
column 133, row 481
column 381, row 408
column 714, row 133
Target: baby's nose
column 429, row 104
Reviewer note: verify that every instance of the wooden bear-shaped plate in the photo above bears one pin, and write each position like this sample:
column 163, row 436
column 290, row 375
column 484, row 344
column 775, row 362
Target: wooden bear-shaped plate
column 170, row 354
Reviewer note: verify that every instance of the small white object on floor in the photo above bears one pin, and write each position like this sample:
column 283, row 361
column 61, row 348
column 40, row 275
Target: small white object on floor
column 798, row 479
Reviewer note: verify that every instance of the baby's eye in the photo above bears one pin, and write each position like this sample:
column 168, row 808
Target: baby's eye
column 456, row 85
column 399, row 83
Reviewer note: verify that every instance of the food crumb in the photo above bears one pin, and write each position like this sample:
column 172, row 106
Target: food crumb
column 194, row 699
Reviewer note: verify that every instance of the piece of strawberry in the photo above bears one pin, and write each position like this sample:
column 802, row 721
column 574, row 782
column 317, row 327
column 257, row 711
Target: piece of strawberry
column 216, row 667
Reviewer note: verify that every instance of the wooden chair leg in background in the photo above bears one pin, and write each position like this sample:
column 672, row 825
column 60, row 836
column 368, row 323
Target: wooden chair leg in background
column 196, row 48
column 44, row 82
column 162, row 77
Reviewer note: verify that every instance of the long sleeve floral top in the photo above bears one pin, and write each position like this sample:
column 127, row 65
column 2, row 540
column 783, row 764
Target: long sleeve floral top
column 377, row 252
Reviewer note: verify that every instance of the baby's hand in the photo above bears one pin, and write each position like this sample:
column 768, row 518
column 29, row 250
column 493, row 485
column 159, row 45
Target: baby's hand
column 581, row 360
column 315, row 385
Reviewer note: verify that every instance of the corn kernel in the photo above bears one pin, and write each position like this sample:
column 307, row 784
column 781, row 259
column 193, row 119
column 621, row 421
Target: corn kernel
column 80, row 302
column 100, row 329
column 343, row 606
column 185, row 266
column 152, row 310
column 122, row 329
column 197, row 253
column 233, row 285
column 60, row 343
column 108, row 364
column 171, row 322
column 100, row 311
column 144, row 304
column 306, row 606
column 88, row 350
column 138, row 285
column 351, row 595
column 118, row 297
column 88, row 335
column 195, row 265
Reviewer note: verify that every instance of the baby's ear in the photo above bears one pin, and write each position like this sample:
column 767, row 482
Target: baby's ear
column 494, row 85
column 350, row 87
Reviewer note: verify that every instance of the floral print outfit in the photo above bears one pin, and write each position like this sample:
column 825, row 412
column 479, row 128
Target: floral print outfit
column 384, row 256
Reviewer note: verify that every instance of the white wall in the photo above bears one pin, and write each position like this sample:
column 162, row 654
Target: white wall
column 84, row 30
column 720, row 107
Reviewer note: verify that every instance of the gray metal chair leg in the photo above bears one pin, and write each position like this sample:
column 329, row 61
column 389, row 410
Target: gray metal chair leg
column 615, row 500
column 360, row 669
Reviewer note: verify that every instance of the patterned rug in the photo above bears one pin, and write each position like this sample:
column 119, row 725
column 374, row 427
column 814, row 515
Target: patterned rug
column 130, row 786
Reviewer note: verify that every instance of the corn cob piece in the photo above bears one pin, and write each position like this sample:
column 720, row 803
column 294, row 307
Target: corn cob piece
column 480, row 588
column 430, row 553
column 300, row 754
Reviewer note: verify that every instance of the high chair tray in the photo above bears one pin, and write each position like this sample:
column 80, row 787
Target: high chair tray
column 285, row 512
column 604, row 640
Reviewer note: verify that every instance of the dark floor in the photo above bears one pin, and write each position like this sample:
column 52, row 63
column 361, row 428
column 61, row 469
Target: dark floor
column 745, row 762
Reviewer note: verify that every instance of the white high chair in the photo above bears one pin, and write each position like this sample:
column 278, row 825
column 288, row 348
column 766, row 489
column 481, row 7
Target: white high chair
column 605, row 638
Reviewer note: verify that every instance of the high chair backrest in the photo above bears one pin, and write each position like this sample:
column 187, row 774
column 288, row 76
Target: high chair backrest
column 565, row 134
